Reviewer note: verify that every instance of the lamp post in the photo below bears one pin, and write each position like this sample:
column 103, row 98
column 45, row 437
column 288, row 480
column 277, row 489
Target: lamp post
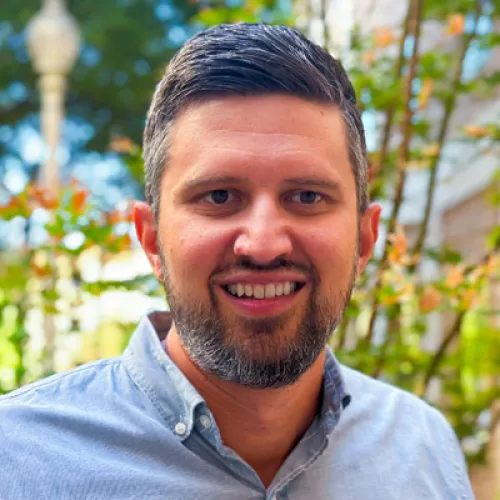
column 53, row 42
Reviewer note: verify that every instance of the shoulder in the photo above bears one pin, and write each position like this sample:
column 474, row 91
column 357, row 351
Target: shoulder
column 383, row 403
column 89, row 395
column 73, row 430
column 82, row 380
column 376, row 393
column 400, row 429
column 78, row 396
column 77, row 404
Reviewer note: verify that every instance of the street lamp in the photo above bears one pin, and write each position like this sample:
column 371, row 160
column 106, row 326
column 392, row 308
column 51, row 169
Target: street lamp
column 53, row 41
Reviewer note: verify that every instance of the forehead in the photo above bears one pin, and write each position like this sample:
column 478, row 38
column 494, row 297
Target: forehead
column 269, row 135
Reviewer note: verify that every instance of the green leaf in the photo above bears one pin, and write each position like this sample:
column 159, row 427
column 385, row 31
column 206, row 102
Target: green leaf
column 494, row 238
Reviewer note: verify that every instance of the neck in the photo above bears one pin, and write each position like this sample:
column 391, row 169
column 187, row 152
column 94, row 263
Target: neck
column 261, row 425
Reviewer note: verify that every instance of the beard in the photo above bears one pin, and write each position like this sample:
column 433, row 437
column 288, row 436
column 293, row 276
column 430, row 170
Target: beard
column 258, row 353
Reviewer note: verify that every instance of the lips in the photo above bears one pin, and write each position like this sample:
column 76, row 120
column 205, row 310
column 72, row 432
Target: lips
column 257, row 294
column 262, row 294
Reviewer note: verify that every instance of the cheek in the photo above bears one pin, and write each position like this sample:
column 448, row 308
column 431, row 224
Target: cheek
column 195, row 251
column 333, row 241
column 333, row 250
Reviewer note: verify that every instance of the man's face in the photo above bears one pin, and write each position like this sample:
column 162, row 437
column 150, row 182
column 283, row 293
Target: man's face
column 259, row 239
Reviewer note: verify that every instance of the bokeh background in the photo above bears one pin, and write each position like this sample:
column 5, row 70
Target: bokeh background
column 426, row 314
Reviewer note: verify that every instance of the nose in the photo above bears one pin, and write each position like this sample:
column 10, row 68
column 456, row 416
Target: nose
column 265, row 233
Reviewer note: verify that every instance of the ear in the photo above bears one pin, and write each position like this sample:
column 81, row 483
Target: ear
column 145, row 228
column 368, row 234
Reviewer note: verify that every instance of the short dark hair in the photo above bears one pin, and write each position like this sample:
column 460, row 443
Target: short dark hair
column 249, row 60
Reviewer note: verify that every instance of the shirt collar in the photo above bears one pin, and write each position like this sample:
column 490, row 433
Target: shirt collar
column 177, row 401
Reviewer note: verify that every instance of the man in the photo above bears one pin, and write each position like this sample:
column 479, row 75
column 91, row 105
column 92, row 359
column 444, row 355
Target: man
column 257, row 222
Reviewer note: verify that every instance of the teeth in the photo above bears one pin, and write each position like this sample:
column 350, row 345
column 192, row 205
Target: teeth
column 268, row 291
column 258, row 291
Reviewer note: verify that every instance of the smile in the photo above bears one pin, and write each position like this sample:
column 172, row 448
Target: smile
column 260, row 292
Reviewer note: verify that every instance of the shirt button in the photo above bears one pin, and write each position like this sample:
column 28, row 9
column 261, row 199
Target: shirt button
column 205, row 422
column 180, row 428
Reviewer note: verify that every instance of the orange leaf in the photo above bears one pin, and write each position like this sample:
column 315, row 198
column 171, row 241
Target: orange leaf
column 129, row 212
column 114, row 217
column 129, row 215
column 41, row 271
column 122, row 145
column 120, row 243
column 399, row 247
column 456, row 24
column 125, row 242
column 79, row 199
column 469, row 299
column 49, row 203
column 400, row 244
column 455, row 277
column 476, row 131
column 14, row 203
column 383, row 37
column 368, row 58
column 36, row 192
column 43, row 197
column 430, row 299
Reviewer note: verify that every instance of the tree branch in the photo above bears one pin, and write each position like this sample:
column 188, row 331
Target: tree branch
column 406, row 130
column 449, row 106
column 453, row 332
column 391, row 110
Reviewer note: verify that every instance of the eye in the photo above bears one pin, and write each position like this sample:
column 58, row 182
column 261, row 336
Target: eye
column 219, row 196
column 307, row 197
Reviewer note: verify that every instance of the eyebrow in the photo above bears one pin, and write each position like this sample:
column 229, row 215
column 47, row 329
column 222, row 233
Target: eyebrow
column 196, row 184
column 314, row 181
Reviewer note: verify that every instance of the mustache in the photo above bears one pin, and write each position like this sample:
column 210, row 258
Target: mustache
column 248, row 264
column 278, row 264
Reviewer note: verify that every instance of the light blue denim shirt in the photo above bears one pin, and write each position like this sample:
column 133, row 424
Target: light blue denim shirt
column 135, row 428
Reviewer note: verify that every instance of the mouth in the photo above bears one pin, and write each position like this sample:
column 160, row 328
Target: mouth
column 262, row 292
